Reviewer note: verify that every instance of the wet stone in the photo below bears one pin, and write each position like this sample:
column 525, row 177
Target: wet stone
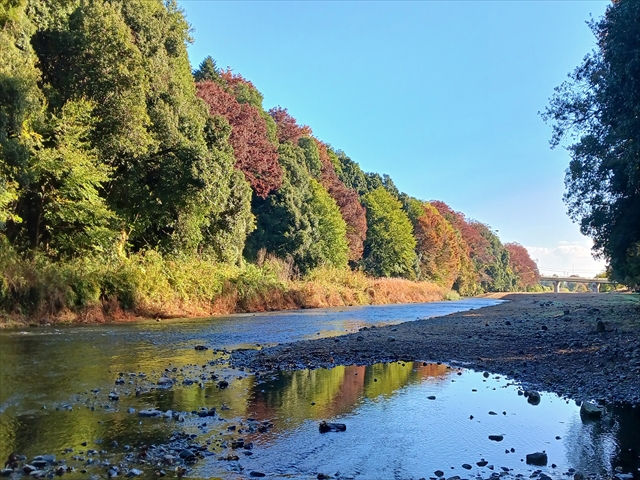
column 332, row 427
column 538, row 458
column 496, row 438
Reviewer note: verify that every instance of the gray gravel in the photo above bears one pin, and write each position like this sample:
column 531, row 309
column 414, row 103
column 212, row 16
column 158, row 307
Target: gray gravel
column 582, row 346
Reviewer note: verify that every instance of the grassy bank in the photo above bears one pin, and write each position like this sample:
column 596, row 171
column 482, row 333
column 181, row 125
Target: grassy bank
column 39, row 291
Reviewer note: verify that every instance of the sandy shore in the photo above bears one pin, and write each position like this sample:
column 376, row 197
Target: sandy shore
column 583, row 346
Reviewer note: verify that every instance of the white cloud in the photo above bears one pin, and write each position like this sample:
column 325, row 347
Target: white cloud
column 567, row 258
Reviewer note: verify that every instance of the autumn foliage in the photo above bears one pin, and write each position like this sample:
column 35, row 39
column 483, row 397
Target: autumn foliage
column 440, row 249
column 522, row 265
column 288, row 128
column 255, row 156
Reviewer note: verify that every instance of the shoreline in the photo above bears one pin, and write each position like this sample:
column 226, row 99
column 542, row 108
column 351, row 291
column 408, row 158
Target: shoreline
column 580, row 346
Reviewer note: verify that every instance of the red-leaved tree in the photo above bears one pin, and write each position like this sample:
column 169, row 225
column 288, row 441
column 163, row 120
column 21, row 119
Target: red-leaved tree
column 255, row 156
column 522, row 265
column 288, row 128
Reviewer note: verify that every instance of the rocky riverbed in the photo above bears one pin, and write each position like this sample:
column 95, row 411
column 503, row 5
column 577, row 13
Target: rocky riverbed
column 582, row 346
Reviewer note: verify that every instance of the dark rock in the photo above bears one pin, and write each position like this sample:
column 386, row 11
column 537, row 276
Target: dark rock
column 439, row 473
column 257, row 474
column 166, row 381
column 496, row 438
column 237, row 443
column 538, row 458
column 134, row 472
column 223, row 384
column 187, row 454
column 482, row 463
column 201, row 348
column 114, row 396
column 431, row 397
column 466, row 466
column 332, row 427
column 532, row 396
column 591, row 410
column 492, row 413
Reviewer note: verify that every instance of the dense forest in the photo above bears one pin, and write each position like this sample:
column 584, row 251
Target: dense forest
column 130, row 181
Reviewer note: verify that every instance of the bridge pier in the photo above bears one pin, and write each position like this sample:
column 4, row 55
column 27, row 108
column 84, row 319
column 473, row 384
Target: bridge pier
column 596, row 288
column 556, row 286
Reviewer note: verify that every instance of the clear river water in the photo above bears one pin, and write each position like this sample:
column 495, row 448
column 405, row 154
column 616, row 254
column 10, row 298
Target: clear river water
column 405, row 420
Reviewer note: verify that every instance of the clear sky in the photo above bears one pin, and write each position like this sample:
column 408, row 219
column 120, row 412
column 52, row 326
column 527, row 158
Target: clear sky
column 441, row 95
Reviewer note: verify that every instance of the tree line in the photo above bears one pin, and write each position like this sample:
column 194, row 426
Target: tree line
column 111, row 145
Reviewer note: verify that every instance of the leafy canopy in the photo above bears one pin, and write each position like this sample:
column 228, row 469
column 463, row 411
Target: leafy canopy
column 598, row 110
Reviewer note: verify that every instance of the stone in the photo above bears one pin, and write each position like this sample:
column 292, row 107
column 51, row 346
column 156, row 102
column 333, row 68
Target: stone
column 496, row 438
column 466, row 466
column 332, row 427
column 114, row 396
column 237, row 443
column 431, row 397
column 482, row 463
column 187, row 454
column 223, row 384
column 201, row 348
column 149, row 412
column 532, row 396
column 134, row 472
column 591, row 410
column 538, row 458
column 439, row 473
column 257, row 474
column 165, row 381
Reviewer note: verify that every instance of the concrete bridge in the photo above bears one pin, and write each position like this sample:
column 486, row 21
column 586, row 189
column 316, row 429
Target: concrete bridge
column 594, row 282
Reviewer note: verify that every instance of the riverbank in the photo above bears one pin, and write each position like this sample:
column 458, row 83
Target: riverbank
column 143, row 286
column 582, row 346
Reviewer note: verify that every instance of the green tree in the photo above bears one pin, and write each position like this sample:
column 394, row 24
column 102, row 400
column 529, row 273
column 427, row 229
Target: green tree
column 599, row 110
column 389, row 250
column 330, row 245
column 208, row 70
column 129, row 58
column 300, row 221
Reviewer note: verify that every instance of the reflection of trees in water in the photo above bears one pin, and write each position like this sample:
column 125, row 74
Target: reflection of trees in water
column 591, row 444
column 295, row 397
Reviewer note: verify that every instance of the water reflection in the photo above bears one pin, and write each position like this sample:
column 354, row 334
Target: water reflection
column 394, row 429
column 294, row 398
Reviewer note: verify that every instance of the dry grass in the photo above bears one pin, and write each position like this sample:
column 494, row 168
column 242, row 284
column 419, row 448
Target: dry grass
column 149, row 286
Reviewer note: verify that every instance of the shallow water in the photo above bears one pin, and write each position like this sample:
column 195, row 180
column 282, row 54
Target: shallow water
column 393, row 430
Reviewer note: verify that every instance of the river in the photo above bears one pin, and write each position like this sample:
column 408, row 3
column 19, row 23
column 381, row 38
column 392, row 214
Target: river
column 404, row 420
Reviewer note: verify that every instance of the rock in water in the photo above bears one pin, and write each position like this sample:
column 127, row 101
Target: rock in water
column 532, row 396
column 591, row 410
column 496, row 438
column 538, row 458
column 332, row 427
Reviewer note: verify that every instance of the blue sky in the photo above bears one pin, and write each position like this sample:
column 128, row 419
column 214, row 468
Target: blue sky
column 441, row 95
